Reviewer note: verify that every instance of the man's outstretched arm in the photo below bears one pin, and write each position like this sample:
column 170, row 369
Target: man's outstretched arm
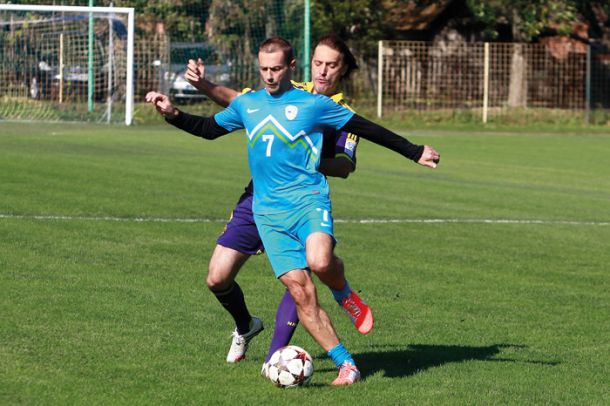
column 204, row 127
column 195, row 75
column 422, row 154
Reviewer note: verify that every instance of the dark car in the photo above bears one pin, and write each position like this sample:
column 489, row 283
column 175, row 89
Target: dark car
column 46, row 81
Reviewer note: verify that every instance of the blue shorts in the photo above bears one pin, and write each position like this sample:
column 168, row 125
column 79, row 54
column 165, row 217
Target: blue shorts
column 284, row 235
column 240, row 232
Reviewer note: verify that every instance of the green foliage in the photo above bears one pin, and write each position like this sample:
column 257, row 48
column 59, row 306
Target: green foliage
column 527, row 18
column 361, row 22
column 239, row 27
column 184, row 20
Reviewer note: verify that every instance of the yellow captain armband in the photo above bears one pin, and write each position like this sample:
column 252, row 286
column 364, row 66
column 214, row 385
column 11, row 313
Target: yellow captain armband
column 352, row 137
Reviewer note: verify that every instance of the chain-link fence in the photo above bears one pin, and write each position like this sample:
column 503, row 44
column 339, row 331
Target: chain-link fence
column 46, row 58
column 487, row 80
column 67, row 64
column 491, row 77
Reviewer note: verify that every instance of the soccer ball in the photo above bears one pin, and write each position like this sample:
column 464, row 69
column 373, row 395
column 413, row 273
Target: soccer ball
column 289, row 367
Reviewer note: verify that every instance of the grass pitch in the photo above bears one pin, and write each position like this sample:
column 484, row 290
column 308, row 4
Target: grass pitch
column 489, row 277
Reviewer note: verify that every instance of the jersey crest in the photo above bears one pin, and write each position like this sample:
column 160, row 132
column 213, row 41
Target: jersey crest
column 291, row 112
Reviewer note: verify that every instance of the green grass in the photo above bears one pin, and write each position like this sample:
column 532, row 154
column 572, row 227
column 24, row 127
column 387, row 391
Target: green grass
column 504, row 118
column 98, row 308
column 499, row 119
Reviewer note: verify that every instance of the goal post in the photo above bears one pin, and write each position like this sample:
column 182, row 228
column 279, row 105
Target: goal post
column 45, row 61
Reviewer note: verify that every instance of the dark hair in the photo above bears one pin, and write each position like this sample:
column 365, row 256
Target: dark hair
column 335, row 42
column 275, row 44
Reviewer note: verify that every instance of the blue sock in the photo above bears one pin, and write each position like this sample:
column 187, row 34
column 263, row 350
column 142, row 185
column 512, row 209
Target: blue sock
column 341, row 294
column 339, row 355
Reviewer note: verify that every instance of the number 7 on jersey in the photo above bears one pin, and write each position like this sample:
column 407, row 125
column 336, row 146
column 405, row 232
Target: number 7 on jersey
column 268, row 138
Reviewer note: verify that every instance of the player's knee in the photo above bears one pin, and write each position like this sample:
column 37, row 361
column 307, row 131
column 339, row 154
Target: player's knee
column 321, row 265
column 216, row 284
column 218, row 278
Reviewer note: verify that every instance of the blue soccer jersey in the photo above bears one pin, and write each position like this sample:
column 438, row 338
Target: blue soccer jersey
column 285, row 136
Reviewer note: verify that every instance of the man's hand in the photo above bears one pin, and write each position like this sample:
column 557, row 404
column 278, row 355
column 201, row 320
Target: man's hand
column 195, row 73
column 162, row 104
column 429, row 157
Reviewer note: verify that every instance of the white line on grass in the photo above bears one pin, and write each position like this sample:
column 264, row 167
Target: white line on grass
column 350, row 221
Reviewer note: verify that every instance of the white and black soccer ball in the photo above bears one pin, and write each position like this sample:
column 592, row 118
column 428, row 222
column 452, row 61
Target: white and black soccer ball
column 289, row 367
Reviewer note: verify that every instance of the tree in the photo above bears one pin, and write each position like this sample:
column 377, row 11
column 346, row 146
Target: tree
column 526, row 18
column 361, row 22
column 184, row 19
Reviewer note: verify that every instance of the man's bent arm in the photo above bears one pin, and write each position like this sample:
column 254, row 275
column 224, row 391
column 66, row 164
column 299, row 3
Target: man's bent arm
column 219, row 94
column 195, row 75
column 204, row 127
column 384, row 137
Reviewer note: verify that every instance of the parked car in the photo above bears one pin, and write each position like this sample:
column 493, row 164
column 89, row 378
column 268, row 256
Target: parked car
column 182, row 91
column 216, row 70
column 46, row 80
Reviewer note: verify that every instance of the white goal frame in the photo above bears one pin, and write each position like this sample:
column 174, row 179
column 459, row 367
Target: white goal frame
column 129, row 11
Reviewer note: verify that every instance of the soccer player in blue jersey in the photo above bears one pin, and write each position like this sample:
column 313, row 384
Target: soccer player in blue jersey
column 332, row 62
column 291, row 205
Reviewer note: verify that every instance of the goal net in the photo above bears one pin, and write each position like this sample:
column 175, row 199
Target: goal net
column 63, row 63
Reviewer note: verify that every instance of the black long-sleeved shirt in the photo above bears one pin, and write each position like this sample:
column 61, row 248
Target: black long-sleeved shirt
column 206, row 127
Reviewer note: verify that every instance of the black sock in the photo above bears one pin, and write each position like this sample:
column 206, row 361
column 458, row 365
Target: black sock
column 233, row 301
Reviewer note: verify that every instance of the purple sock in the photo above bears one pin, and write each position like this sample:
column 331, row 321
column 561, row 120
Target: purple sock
column 286, row 321
column 233, row 301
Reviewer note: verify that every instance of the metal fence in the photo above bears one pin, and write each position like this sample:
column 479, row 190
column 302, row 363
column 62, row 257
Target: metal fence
column 490, row 77
column 487, row 79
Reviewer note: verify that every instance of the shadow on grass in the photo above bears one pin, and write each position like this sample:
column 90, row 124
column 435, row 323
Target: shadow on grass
column 398, row 361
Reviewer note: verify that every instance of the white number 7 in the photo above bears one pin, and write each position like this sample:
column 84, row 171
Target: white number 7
column 268, row 138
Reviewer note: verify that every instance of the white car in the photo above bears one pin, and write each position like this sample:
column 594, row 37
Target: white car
column 182, row 91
